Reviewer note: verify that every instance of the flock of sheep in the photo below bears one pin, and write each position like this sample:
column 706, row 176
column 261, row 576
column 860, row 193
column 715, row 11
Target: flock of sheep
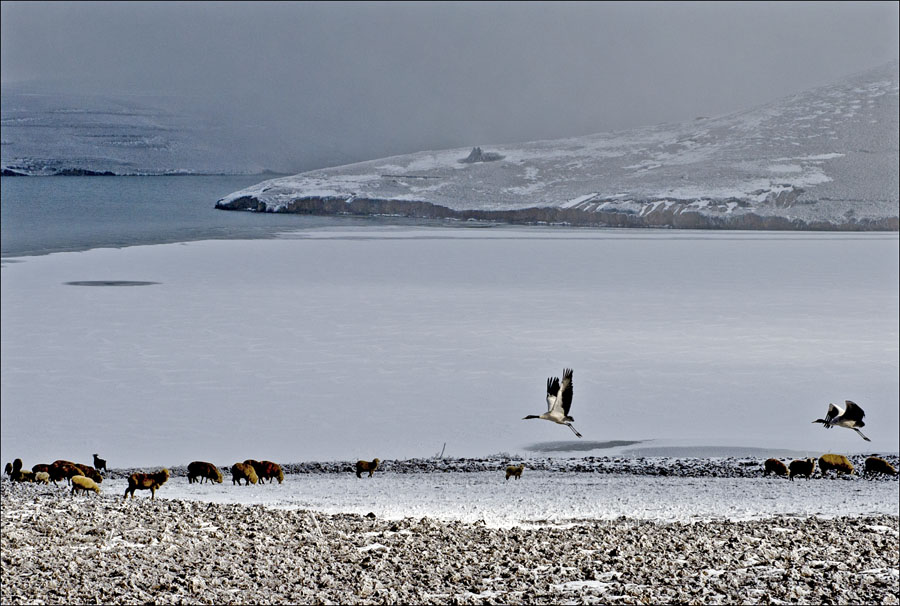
column 827, row 462
column 86, row 478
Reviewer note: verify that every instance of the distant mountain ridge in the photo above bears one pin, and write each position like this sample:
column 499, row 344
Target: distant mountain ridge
column 823, row 159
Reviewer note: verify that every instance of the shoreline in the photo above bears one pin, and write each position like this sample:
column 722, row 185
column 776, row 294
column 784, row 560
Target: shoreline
column 344, row 222
column 540, row 498
column 99, row 550
column 656, row 215
column 690, row 467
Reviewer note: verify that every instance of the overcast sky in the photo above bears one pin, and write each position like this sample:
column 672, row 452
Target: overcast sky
column 372, row 79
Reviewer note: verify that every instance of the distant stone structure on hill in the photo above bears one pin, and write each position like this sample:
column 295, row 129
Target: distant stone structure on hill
column 476, row 155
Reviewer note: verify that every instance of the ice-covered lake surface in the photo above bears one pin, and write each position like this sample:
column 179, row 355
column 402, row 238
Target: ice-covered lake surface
column 544, row 497
column 362, row 342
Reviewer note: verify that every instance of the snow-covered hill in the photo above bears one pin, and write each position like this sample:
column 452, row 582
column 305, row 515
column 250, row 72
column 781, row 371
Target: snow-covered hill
column 823, row 159
column 47, row 133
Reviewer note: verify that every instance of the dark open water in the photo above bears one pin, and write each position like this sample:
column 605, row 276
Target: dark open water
column 42, row 215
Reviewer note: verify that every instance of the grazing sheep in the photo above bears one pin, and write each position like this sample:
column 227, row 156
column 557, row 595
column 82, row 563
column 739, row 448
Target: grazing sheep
column 41, row 467
column 879, row 465
column 257, row 467
column 802, row 467
column 22, row 475
column 41, row 477
column 146, row 481
column 17, row 475
column 99, row 463
column 243, row 471
column 90, row 472
column 198, row 471
column 84, row 484
column 8, row 469
column 268, row 470
column 63, row 470
column 515, row 471
column 362, row 466
column 775, row 466
column 834, row 461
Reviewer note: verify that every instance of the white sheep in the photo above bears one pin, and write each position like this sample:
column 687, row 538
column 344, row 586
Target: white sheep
column 84, row 484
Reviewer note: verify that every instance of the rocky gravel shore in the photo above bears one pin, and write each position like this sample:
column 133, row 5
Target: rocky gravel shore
column 99, row 549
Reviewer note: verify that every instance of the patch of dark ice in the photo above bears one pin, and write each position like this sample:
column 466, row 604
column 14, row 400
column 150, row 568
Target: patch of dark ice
column 110, row 283
column 582, row 446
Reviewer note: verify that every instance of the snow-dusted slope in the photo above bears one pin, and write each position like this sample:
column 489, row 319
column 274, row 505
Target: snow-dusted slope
column 51, row 133
column 825, row 159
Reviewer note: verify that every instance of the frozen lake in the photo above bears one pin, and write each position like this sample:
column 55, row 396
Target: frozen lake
column 338, row 344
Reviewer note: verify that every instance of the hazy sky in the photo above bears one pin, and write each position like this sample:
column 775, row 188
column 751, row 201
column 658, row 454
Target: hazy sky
column 371, row 79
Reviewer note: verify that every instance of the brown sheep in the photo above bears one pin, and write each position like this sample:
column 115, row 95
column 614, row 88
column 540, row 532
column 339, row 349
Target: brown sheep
column 14, row 470
column 775, row 466
column 268, row 471
column 362, row 466
column 146, row 481
column 8, row 469
column 198, row 471
column 802, row 467
column 879, row 465
column 515, row 471
column 99, row 463
column 84, row 484
column 63, row 470
column 17, row 474
column 90, row 472
column 22, row 475
column 835, row 461
column 243, row 471
column 257, row 467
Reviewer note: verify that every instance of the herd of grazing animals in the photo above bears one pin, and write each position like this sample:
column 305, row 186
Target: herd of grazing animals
column 86, row 478
column 826, row 463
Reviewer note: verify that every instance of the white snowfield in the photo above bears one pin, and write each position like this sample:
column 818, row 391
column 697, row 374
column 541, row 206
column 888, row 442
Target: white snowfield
column 340, row 344
column 542, row 497
column 826, row 155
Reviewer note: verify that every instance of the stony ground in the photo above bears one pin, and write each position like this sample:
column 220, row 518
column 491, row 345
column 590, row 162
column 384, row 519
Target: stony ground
column 99, row 549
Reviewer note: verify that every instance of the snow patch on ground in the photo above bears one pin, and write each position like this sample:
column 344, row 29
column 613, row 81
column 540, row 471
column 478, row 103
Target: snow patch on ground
column 546, row 498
